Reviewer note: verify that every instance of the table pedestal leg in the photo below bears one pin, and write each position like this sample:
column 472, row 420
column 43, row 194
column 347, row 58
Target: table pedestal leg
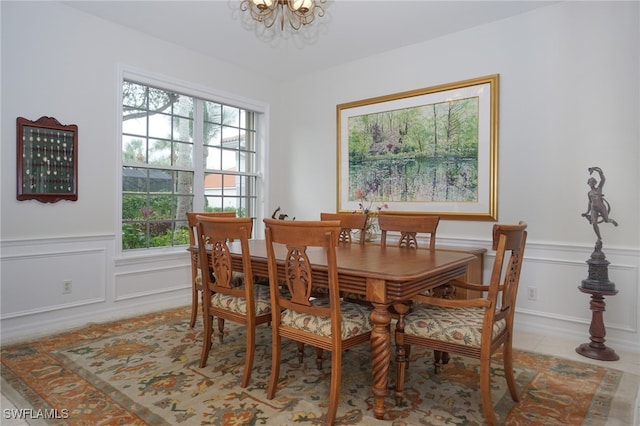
column 381, row 356
column 596, row 349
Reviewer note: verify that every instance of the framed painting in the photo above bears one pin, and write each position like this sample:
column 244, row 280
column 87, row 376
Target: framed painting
column 432, row 150
column 47, row 160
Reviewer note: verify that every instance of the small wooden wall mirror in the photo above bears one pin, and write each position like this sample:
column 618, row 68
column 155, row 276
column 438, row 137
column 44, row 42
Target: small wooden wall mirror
column 47, row 160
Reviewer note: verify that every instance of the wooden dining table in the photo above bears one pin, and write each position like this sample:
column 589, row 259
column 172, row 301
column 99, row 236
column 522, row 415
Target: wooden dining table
column 385, row 275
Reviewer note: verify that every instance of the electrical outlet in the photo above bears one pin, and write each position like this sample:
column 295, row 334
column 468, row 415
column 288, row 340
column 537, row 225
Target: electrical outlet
column 532, row 293
column 66, row 287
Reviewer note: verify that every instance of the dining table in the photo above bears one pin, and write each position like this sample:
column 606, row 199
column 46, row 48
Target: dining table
column 386, row 276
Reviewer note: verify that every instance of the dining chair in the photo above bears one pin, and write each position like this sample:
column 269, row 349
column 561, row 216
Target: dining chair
column 410, row 227
column 349, row 222
column 196, row 279
column 471, row 327
column 326, row 323
column 244, row 304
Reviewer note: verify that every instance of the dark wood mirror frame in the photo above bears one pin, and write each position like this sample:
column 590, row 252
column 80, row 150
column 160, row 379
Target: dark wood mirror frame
column 47, row 160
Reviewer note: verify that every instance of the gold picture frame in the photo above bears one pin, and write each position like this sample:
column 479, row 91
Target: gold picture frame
column 431, row 150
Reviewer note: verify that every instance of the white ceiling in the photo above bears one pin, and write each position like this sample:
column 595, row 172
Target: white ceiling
column 350, row 29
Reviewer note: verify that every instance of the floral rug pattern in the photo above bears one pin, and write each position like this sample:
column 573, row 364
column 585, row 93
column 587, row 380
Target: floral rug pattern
column 145, row 370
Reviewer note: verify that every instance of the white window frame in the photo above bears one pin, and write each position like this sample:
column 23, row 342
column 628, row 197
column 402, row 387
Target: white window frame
column 261, row 110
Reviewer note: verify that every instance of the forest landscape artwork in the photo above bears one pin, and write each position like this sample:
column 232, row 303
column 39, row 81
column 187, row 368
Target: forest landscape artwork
column 427, row 150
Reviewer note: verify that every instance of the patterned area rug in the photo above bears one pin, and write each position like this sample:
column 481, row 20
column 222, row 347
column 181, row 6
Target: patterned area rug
column 145, row 370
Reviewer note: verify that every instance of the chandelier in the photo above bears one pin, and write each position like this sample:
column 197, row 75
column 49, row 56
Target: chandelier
column 296, row 12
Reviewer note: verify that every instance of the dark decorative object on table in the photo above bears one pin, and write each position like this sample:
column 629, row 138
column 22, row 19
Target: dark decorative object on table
column 281, row 216
column 597, row 283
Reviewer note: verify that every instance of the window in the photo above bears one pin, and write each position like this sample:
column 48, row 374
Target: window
column 164, row 132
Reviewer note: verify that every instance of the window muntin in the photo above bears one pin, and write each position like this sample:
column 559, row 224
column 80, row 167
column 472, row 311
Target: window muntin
column 160, row 140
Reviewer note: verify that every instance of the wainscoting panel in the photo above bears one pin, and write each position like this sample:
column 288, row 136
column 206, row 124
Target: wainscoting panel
column 562, row 310
column 556, row 284
column 103, row 287
column 144, row 282
column 52, row 276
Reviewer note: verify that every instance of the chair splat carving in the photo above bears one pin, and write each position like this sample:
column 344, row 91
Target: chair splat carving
column 299, row 277
column 221, row 263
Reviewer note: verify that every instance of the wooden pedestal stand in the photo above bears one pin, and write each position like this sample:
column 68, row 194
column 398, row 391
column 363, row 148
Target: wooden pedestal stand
column 596, row 349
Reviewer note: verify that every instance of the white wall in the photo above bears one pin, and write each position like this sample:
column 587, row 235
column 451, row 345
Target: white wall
column 569, row 93
column 569, row 99
column 59, row 62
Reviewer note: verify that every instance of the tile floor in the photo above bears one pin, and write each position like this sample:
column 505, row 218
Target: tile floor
column 564, row 348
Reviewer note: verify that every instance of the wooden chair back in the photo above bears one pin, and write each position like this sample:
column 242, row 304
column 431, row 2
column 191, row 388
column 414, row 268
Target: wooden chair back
column 409, row 226
column 298, row 237
column 348, row 222
column 196, row 282
column 215, row 234
column 192, row 221
column 509, row 243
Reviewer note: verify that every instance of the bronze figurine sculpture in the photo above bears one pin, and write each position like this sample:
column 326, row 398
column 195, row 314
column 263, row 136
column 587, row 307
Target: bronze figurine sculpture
column 598, row 208
column 598, row 212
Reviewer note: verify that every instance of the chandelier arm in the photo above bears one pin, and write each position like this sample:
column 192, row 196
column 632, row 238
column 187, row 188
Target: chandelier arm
column 296, row 12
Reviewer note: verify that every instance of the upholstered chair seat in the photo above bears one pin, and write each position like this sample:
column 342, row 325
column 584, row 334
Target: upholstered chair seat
column 238, row 305
column 237, row 279
column 462, row 326
column 355, row 319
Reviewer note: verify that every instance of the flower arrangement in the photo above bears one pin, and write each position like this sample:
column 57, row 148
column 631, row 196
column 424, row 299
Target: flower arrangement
column 366, row 207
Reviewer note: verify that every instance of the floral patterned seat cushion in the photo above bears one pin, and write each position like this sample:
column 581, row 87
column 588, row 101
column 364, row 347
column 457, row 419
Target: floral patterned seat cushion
column 239, row 304
column 462, row 326
column 237, row 279
column 355, row 319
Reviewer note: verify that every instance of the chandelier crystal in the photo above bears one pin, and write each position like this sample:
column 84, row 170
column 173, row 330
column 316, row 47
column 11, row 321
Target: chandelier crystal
column 296, row 13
